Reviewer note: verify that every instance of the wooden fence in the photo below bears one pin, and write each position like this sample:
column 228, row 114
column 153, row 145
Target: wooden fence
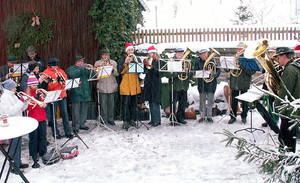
column 154, row 36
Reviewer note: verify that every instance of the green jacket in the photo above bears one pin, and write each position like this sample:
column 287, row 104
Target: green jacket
column 178, row 84
column 83, row 92
column 242, row 82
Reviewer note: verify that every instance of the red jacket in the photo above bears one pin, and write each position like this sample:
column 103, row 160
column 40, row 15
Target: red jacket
column 56, row 86
column 35, row 111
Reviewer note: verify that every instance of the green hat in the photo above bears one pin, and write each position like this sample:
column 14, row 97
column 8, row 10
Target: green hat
column 105, row 51
column 12, row 58
column 78, row 57
column 31, row 50
column 283, row 50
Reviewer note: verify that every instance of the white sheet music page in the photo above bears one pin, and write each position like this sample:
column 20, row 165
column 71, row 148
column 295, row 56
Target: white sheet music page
column 69, row 83
column 52, row 96
column 201, row 74
column 175, row 66
column 251, row 95
column 227, row 62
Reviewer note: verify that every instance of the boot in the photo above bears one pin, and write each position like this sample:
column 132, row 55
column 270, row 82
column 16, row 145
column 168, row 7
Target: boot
column 126, row 125
column 35, row 161
column 132, row 123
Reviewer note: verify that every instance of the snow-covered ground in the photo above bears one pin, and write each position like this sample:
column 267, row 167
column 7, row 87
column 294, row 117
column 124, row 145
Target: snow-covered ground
column 188, row 153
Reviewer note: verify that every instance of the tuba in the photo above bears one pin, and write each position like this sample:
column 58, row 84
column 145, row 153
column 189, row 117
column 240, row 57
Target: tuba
column 30, row 100
column 210, row 66
column 186, row 65
column 238, row 72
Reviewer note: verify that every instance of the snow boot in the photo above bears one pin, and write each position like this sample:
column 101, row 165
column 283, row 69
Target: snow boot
column 35, row 161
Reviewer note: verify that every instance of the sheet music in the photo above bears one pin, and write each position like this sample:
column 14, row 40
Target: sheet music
column 68, row 84
column 175, row 66
column 17, row 69
column 201, row 74
column 52, row 96
column 76, row 83
column 136, row 67
column 251, row 95
column 228, row 62
column 105, row 71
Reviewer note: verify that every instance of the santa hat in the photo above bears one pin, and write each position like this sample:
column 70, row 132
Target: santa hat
column 297, row 48
column 128, row 46
column 152, row 49
column 32, row 80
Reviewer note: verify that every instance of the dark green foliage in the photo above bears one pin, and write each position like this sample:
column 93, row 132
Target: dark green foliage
column 19, row 30
column 114, row 22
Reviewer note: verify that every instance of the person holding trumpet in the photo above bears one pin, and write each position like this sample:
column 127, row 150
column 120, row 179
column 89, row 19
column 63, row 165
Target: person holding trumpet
column 11, row 105
column 107, row 87
column 58, row 83
column 6, row 71
column 80, row 96
column 38, row 137
column 129, row 87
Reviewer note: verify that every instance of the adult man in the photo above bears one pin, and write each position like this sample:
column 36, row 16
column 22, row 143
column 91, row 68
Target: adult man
column 291, row 79
column 107, row 87
column 80, row 96
column 33, row 56
column 206, row 90
column 60, row 76
column 240, row 85
column 180, row 88
column 6, row 71
column 129, row 86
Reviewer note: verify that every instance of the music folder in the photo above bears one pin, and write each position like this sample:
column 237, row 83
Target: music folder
column 249, row 64
column 52, row 96
column 72, row 83
column 136, row 67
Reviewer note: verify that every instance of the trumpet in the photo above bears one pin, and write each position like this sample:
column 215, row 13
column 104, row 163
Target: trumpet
column 238, row 72
column 133, row 58
column 62, row 79
column 149, row 61
column 91, row 67
column 210, row 66
column 30, row 100
column 186, row 65
column 48, row 78
column 42, row 92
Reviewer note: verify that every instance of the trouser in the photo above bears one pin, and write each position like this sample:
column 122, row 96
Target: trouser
column 206, row 110
column 234, row 104
column 64, row 114
column 155, row 111
column 286, row 136
column 79, row 114
column 107, row 106
column 38, row 140
column 15, row 150
column 129, row 103
column 181, row 97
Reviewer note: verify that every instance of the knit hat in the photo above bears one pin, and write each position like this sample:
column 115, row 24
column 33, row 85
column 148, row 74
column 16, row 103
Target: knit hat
column 78, row 57
column 152, row 49
column 105, row 51
column 32, row 80
column 53, row 62
column 9, row 84
column 32, row 65
column 297, row 48
column 240, row 45
column 12, row 58
column 128, row 46
column 31, row 50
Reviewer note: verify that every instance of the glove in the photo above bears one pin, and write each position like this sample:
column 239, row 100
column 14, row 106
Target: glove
column 49, row 79
column 38, row 96
column 59, row 79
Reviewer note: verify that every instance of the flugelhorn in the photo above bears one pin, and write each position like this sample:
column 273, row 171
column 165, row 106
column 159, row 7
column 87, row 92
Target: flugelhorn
column 30, row 100
column 238, row 72
column 149, row 61
column 210, row 66
column 133, row 58
column 42, row 92
column 62, row 79
column 186, row 65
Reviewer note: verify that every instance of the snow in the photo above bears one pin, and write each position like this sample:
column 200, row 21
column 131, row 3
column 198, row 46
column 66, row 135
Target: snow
column 188, row 153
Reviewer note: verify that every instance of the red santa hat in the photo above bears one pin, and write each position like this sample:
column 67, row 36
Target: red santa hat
column 297, row 48
column 128, row 46
column 152, row 49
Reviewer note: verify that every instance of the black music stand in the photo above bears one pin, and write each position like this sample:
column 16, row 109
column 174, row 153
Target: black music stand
column 250, row 96
column 136, row 68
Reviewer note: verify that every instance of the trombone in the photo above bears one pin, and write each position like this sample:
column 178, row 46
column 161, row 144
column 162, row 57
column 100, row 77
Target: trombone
column 30, row 100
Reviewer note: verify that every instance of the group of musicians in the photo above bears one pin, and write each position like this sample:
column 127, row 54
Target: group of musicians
column 52, row 78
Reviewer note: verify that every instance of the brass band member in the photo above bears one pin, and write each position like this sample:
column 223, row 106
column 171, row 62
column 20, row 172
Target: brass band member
column 33, row 56
column 206, row 90
column 129, row 87
column 152, row 85
column 6, row 71
column 59, row 75
column 291, row 79
column 297, row 52
column 80, row 96
column 107, row 88
column 240, row 85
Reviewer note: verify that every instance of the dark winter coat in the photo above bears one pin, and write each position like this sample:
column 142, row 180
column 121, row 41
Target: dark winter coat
column 152, row 84
column 204, row 87
column 83, row 92
column 3, row 72
column 39, row 60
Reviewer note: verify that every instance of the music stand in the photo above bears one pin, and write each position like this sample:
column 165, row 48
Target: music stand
column 137, row 68
column 227, row 62
column 72, row 83
column 250, row 96
column 103, row 72
column 171, row 66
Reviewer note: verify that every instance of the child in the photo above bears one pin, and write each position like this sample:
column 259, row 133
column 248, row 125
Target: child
column 11, row 105
column 37, row 138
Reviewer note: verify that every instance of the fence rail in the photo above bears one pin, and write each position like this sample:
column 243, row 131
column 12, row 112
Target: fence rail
column 155, row 36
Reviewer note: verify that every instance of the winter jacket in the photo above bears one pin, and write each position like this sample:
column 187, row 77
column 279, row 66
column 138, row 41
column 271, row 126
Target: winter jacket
column 109, row 84
column 203, row 86
column 83, row 92
column 10, row 104
column 152, row 84
column 242, row 82
column 39, row 60
column 24, row 80
column 130, row 84
column 56, row 86
column 35, row 111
